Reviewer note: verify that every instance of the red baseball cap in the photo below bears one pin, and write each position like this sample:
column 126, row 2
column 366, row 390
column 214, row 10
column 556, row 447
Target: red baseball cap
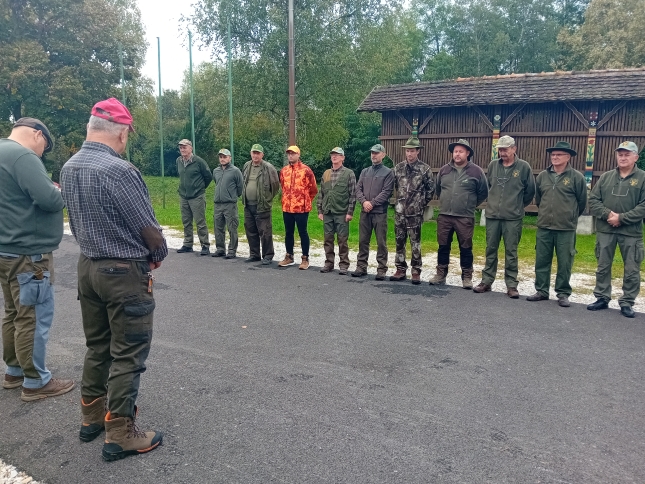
column 112, row 110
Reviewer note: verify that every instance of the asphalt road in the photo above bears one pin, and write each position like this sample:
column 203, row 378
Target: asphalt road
column 267, row 375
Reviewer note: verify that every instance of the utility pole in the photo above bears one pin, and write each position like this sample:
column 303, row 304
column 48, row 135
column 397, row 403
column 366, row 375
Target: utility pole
column 230, row 92
column 292, row 79
column 159, row 104
column 127, row 146
column 192, row 99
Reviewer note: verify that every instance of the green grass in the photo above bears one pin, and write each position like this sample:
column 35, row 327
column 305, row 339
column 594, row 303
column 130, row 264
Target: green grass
column 170, row 216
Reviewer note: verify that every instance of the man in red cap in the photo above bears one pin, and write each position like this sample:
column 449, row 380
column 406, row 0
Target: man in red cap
column 121, row 244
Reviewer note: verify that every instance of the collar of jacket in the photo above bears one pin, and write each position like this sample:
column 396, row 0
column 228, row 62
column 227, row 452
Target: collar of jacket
column 501, row 162
column 631, row 173
column 567, row 169
column 452, row 164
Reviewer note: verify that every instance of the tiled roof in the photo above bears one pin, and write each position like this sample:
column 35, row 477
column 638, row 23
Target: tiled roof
column 511, row 89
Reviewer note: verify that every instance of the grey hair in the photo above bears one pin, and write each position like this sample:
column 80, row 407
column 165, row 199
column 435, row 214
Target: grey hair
column 100, row 124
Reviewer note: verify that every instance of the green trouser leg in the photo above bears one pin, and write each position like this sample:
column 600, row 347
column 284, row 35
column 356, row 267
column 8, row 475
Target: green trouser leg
column 631, row 250
column 511, row 232
column 195, row 208
column 564, row 244
column 226, row 217
column 335, row 225
column 187, row 221
column 117, row 312
column 368, row 223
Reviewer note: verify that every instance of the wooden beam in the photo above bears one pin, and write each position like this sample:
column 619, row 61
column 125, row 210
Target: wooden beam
column 484, row 117
column 577, row 114
column 405, row 121
column 428, row 119
column 608, row 116
column 512, row 115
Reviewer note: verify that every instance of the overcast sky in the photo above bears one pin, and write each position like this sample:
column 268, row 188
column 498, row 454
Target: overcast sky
column 161, row 19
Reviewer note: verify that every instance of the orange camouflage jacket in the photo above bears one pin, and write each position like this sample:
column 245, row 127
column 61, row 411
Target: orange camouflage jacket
column 298, row 188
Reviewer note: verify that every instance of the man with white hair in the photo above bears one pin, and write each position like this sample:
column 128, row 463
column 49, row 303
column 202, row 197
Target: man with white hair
column 511, row 187
column 121, row 244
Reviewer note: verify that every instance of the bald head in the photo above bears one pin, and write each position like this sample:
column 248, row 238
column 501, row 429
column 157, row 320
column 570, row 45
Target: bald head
column 30, row 138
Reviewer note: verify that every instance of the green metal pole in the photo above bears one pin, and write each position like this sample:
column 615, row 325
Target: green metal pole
column 230, row 92
column 192, row 99
column 127, row 146
column 163, row 183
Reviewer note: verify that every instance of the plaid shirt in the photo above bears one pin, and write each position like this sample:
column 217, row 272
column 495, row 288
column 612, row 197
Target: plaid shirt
column 351, row 187
column 108, row 205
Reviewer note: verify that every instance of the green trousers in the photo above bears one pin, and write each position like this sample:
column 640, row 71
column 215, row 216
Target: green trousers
column 335, row 225
column 117, row 307
column 226, row 217
column 195, row 208
column 632, row 252
column 564, row 244
column 511, row 232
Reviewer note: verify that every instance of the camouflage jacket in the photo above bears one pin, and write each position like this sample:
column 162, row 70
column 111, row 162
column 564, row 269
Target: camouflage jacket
column 414, row 188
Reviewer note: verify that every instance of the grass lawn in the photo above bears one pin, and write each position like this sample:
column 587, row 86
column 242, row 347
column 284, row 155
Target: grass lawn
column 170, row 216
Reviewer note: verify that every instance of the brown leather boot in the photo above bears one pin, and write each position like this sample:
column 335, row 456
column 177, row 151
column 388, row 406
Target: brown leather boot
column 93, row 418
column 399, row 275
column 123, row 438
column 416, row 279
column 440, row 277
column 304, row 265
column 467, row 278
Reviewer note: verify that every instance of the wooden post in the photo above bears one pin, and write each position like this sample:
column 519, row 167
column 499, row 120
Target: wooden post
column 497, row 123
column 591, row 145
column 415, row 123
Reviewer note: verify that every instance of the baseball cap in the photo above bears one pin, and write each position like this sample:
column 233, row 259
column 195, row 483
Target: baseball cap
column 225, row 152
column 112, row 110
column 293, row 148
column 338, row 150
column 185, row 142
column 506, row 142
column 40, row 126
column 377, row 148
column 628, row 145
column 257, row 147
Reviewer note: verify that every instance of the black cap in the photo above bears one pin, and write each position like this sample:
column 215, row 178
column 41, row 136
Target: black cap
column 40, row 126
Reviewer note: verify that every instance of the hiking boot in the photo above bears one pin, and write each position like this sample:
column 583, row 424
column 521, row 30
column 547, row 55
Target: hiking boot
column 123, row 438
column 218, row 254
column 287, row 261
column 598, row 305
column 481, row 287
column 627, row 311
column 467, row 278
column 12, row 381
column 183, row 249
column 326, row 269
column 54, row 388
column 513, row 293
column 380, row 276
column 230, row 256
column 205, row 250
column 252, row 259
column 416, row 279
column 342, row 271
column 93, row 418
column 266, row 262
column 359, row 273
column 304, row 265
column 563, row 301
column 440, row 277
column 399, row 275
column 537, row 297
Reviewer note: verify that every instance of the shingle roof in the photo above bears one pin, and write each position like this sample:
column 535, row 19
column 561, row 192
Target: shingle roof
column 510, row 89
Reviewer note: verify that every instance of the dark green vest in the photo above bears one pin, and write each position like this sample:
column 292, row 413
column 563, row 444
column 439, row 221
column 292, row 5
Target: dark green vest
column 336, row 199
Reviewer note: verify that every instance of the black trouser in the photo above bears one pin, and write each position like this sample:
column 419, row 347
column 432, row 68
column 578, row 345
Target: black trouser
column 259, row 231
column 464, row 227
column 290, row 222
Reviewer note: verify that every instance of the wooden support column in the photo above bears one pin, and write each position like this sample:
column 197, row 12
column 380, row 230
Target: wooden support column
column 415, row 123
column 591, row 145
column 497, row 126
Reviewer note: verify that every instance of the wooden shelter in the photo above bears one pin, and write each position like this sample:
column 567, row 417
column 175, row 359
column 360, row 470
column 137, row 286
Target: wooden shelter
column 593, row 110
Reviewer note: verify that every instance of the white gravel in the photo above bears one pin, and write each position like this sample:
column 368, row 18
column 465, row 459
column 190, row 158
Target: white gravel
column 10, row 475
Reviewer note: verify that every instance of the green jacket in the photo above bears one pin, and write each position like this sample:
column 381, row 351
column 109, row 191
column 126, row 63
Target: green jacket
column 268, row 185
column 31, row 206
column 624, row 196
column 193, row 178
column 509, row 190
column 561, row 201
column 228, row 184
column 340, row 198
column 461, row 192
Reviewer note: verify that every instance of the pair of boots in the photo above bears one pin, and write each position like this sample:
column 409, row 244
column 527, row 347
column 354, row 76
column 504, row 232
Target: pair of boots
column 122, row 436
column 442, row 272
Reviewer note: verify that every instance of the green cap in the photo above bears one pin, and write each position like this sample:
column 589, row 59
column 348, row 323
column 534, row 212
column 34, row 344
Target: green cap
column 257, row 147
column 465, row 144
column 224, row 151
column 562, row 146
column 338, row 150
column 378, row 148
column 412, row 142
column 628, row 145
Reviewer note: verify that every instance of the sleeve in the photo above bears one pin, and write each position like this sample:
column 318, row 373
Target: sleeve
column 359, row 188
column 437, row 186
column 482, row 189
column 386, row 192
column 636, row 214
column 133, row 203
column 321, row 195
column 32, row 179
column 313, row 188
column 596, row 206
column 206, row 173
column 239, row 182
column 351, row 187
column 429, row 186
column 488, row 173
column 529, row 187
column 582, row 194
column 538, row 191
column 274, row 180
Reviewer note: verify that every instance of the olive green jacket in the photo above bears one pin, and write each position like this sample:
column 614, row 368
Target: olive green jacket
column 561, row 201
column 461, row 192
column 509, row 191
column 193, row 178
column 268, row 184
column 624, row 196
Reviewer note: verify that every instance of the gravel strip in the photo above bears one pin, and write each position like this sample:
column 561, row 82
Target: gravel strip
column 11, row 475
